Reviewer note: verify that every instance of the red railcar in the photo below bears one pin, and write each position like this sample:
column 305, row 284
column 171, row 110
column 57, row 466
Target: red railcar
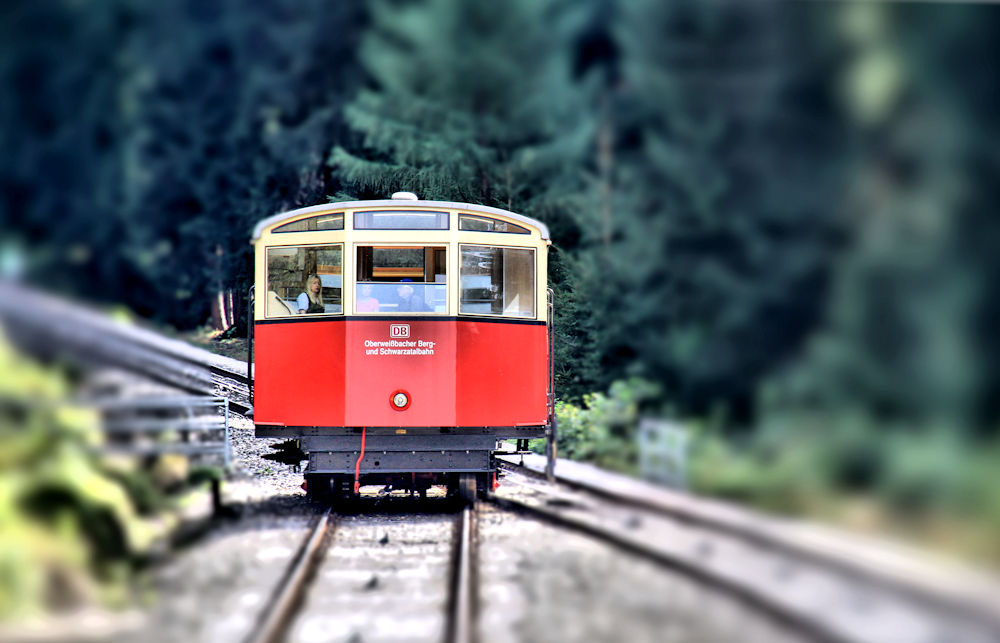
column 396, row 342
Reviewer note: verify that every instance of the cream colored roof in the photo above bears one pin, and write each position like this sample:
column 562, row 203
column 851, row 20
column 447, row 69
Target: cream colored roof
column 396, row 203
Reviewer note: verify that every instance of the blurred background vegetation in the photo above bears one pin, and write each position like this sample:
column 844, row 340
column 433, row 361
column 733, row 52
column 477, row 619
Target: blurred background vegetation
column 76, row 527
column 774, row 217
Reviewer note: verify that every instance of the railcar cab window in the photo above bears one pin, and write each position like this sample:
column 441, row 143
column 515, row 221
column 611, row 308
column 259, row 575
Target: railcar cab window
column 400, row 220
column 304, row 280
column 488, row 224
column 401, row 279
column 314, row 224
column 498, row 281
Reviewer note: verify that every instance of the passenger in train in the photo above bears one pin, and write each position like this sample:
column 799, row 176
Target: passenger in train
column 367, row 303
column 311, row 301
column 408, row 300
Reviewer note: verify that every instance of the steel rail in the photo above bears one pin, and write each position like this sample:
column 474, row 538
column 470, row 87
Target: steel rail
column 555, row 509
column 754, row 530
column 279, row 610
column 52, row 327
column 462, row 600
column 757, row 600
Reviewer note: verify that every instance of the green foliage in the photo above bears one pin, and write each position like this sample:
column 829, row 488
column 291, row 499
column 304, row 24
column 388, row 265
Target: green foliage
column 789, row 483
column 576, row 362
column 925, row 471
column 235, row 106
column 202, row 474
column 454, row 110
column 782, row 468
column 809, row 464
column 142, row 492
column 69, row 521
column 60, row 129
column 902, row 336
column 58, row 512
column 701, row 248
column 603, row 429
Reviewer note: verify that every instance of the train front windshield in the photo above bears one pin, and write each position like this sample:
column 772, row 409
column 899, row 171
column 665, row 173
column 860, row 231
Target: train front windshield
column 401, row 279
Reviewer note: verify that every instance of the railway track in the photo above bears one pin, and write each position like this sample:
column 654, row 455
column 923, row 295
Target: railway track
column 821, row 597
column 421, row 570
column 462, row 605
column 53, row 328
column 279, row 610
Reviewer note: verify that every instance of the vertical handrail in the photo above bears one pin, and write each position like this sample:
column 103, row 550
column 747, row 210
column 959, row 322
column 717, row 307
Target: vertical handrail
column 550, row 446
column 250, row 307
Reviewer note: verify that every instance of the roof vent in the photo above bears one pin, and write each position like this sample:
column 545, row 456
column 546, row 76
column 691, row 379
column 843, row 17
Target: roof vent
column 404, row 196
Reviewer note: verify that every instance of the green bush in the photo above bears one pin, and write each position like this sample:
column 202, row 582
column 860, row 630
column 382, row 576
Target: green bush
column 602, row 430
column 772, row 470
column 64, row 523
column 913, row 476
column 142, row 491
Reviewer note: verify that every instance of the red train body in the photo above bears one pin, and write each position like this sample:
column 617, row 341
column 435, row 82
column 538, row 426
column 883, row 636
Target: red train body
column 455, row 372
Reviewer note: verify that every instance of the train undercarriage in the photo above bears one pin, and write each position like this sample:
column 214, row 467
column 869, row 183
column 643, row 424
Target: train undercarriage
column 341, row 460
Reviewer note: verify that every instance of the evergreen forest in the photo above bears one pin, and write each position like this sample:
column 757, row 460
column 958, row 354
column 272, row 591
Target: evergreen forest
column 770, row 219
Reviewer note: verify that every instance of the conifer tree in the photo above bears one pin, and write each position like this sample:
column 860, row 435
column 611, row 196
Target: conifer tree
column 236, row 106
column 61, row 132
column 466, row 101
column 902, row 339
column 701, row 268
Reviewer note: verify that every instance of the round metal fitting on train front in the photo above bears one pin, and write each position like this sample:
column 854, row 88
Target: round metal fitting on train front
column 400, row 400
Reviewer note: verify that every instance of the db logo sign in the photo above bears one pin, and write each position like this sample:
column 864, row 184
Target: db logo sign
column 399, row 330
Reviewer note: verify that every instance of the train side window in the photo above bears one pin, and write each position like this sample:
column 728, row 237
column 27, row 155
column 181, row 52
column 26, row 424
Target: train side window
column 315, row 224
column 290, row 271
column 498, row 281
column 401, row 279
column 488, row 224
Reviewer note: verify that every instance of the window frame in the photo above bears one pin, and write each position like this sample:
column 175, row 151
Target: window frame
column 343, row 222
column 534, row 282
column 439, row 214
column 356, row 282
column 296, row 315
column 462, row 215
